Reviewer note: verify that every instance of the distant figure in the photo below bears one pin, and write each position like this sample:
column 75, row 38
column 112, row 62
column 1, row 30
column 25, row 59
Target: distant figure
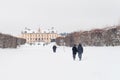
column 54, row 48
column 44, row 44
column 74, row 51
column 80, row 51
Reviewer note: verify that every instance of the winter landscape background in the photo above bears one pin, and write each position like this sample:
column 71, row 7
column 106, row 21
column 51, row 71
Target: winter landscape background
column 86, row 21
column 40, row 63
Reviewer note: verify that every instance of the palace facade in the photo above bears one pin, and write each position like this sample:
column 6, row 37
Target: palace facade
column 39, row 35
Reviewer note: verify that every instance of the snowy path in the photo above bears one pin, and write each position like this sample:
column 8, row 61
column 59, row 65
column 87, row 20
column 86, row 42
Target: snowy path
column 40, row 63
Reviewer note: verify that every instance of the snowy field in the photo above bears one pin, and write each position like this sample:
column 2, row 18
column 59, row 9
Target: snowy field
column 40, row 63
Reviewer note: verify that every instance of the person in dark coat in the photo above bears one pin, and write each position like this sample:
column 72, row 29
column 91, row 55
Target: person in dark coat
column 74, row 51
column 54, row 48
column 80, row 51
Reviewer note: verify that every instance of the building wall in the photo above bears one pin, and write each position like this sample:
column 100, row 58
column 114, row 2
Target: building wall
column 39, row 37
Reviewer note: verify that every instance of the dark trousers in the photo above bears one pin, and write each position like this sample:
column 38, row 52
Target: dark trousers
column 80, row 56
column 54, row 50
column 74, row 55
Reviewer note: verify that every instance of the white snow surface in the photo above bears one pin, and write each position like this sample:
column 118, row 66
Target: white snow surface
column 40, row 63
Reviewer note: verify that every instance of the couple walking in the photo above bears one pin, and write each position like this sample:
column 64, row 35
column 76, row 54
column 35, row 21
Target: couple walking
column 78, row 49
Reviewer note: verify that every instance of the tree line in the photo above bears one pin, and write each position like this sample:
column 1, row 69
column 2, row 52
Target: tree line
column 8, row 41
column 109, row 36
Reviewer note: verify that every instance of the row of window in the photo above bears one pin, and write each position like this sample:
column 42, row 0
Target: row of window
column 38, row 39
column 33, row 35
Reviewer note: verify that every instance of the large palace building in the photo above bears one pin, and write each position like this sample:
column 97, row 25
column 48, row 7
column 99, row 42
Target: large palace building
column 45, row 36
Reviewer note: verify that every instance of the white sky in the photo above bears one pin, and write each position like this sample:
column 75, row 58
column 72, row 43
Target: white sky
column 64, row 15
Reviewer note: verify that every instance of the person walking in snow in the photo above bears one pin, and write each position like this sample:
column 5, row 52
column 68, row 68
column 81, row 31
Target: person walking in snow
column 80, row 51
column 54, row 48
column 74, row 51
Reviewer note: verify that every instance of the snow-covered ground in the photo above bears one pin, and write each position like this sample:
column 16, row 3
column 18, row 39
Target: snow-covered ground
column 40, row 63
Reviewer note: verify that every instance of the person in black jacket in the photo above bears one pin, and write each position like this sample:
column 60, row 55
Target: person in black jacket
column 74, row 51
column 80, row 51
column 54, row 48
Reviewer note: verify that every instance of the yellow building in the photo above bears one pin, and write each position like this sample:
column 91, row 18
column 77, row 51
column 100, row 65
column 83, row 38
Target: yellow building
column 39, row 36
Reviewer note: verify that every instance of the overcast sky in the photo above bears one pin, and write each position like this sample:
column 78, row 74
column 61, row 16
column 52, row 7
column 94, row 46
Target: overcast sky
column 64, row 15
